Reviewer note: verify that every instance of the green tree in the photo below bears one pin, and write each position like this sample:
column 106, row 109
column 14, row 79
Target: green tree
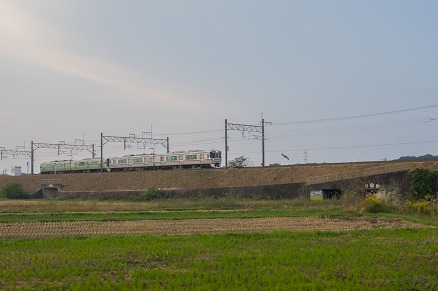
column 13, row 191
column 239, row 162
column 423, row 183
column 151, row 193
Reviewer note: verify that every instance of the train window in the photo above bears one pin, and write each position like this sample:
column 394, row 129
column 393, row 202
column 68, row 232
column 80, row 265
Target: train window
column 191, row 157
column 121, row 161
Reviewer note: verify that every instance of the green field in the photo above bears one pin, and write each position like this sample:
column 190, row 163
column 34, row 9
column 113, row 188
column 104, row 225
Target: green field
column 390, row 259
column 394, row 259
column 71, row 210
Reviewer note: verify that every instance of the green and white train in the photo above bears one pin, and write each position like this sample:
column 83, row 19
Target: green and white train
column 174, row 160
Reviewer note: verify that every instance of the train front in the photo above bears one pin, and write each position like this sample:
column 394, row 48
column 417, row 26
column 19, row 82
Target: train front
column 216, row 158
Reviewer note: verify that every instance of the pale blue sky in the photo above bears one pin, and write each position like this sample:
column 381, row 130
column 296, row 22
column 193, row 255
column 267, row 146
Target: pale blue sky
column 70, row 69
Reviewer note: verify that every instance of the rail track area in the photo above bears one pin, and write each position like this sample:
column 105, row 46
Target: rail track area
column 198, row 226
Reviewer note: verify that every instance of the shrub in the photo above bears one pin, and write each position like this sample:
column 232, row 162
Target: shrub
column 13, row 191
column 151, row 193
column 265, row 196
column 352, row 198
column 373, row 205
column 423, row 184
column 239, row 162
column 422, row 207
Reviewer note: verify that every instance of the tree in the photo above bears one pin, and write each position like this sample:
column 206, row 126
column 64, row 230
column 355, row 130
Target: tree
column 239, row 162
column 13, row 191
column 423, row 183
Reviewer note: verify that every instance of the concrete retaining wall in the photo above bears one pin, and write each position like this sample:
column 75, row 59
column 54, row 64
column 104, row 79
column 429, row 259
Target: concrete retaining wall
column 277, row 191
column 399, row 181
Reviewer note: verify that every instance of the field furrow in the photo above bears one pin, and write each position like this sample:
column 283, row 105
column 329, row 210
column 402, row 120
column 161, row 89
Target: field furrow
column 198, row 226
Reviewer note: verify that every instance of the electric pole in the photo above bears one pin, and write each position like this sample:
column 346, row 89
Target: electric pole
column 245, row 128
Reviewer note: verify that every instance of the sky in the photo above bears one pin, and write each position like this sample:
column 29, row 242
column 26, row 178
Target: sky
column 335, row 81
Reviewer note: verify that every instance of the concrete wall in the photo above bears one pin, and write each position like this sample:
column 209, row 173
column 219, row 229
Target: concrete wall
column 277, row 191
column 399, row 181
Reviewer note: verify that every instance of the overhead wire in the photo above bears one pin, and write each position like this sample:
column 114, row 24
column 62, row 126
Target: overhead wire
column 297, row 133
column 354, row 116
column 356, row 101
column 352, row 128
column 343, row 147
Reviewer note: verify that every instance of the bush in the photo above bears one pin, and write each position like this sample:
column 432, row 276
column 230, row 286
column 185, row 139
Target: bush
column 374, row 205
column 151, row 193
column 13, row 191
column 239, row 162
column 423, row 184
column 429, row 208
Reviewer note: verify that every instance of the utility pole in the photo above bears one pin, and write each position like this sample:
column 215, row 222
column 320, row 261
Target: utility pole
column 263, row 142
column 245, row 128
column 31, row 157
column 226, row 145
column 101, row 152
column 129, row 139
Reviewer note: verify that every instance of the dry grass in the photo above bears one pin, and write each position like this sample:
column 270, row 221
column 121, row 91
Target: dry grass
column 69, row 206
column 196, row 178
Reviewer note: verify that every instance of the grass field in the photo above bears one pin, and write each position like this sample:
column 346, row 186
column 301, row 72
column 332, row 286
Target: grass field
column 380, row 259
column 59, row 210
column 390, row 259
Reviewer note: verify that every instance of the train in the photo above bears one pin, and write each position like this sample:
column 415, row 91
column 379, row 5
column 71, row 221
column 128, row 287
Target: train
column 139, row 162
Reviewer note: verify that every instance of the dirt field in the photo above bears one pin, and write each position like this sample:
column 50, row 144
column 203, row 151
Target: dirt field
column 198, row 178
column 198, row 226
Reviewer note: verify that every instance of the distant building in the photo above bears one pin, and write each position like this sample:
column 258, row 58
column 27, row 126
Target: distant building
column 16, row 171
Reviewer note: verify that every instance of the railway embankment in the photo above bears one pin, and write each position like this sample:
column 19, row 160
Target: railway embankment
column 217, row 181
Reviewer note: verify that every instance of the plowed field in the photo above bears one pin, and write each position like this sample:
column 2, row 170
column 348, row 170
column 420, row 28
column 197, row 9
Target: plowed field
column 198, row 226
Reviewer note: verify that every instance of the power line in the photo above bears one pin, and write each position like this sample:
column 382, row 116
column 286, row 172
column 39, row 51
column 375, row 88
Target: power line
column 354, row 101
column 349, row 129
column 359, row 146
column 355, row 116
column 190, row 132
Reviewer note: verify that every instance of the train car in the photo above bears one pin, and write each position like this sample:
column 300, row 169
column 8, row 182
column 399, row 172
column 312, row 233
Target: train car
column 86, row 165
column 70, row 166
column 174, row 160
column 202, row 159
column 132, row 162
column 55, row 167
